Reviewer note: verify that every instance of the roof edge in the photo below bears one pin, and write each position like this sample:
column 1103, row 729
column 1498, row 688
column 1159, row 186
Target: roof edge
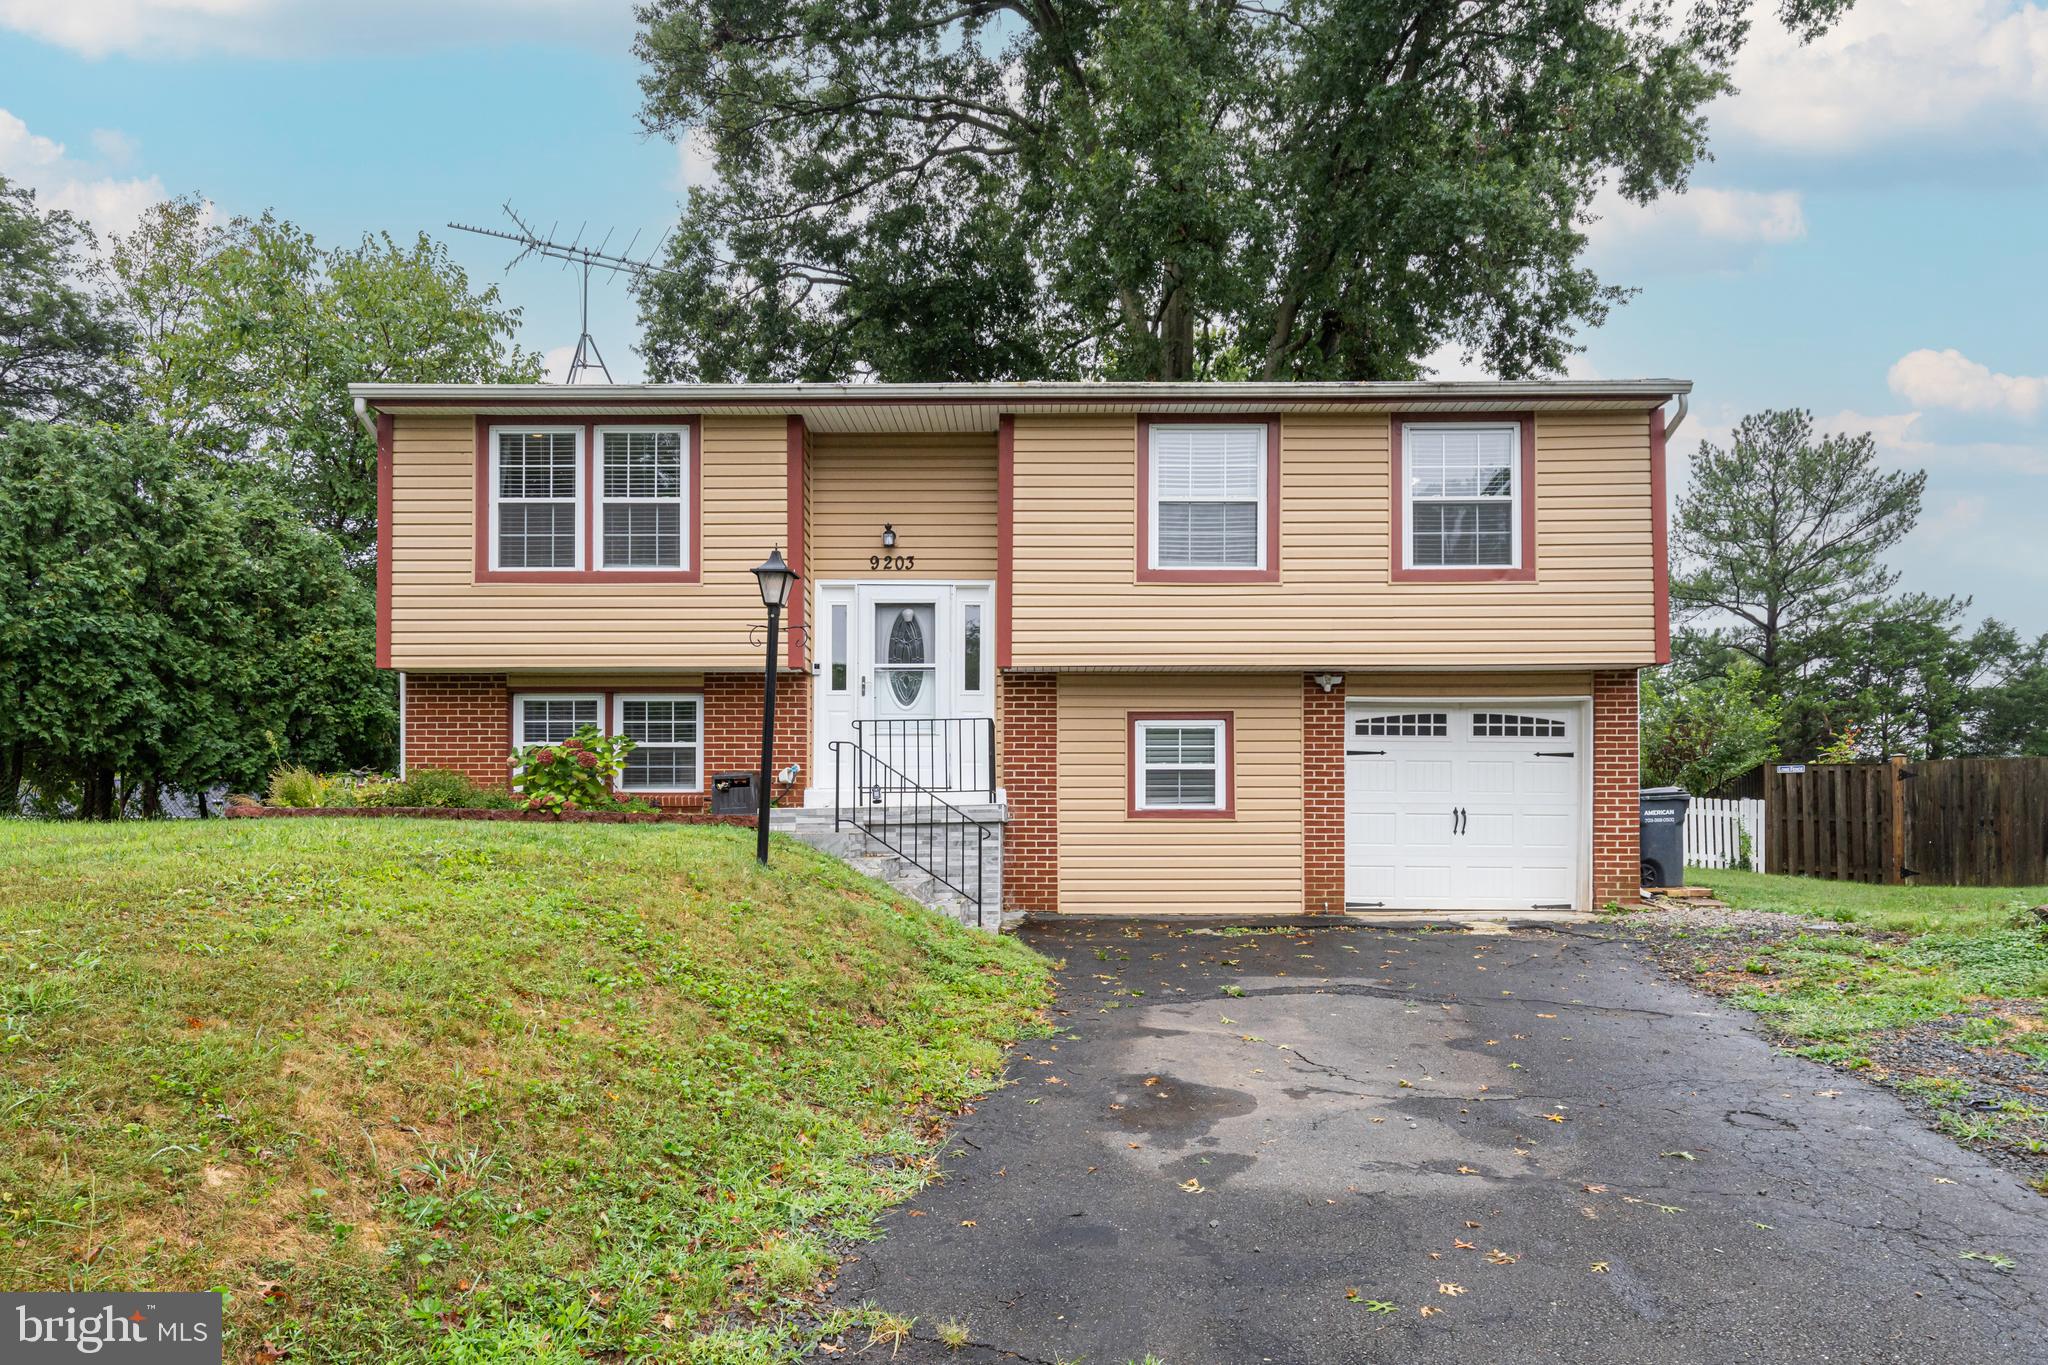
column 1025, row 393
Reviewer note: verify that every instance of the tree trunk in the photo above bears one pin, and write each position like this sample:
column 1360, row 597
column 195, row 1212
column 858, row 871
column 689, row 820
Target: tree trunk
column 1176, row 336
column 96, row 794
column 152, row 799
column 203, row 812
column 13, row 759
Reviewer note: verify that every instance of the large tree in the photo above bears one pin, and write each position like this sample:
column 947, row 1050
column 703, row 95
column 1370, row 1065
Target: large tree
column 1300, row 189
column 1780, row 539
column 58, row 338
column 170, row 623
column 250, row 333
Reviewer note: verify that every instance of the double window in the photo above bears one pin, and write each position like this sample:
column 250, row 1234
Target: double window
column 542, row 483
column 1180, row 765
column 1462, row 495
column 1210, row 486
column 666, row 728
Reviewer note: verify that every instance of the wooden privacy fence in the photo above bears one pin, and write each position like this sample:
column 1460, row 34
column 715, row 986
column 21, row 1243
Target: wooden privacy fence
column 1714, row 830
column 1944, row 822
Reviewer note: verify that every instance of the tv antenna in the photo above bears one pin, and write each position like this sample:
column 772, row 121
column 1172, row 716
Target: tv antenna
column 574, row 255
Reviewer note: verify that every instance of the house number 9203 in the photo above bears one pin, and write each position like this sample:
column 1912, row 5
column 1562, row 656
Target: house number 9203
column 892, row 561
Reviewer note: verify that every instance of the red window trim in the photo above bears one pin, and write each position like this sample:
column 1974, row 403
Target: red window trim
column 691, row 572
column 1133, row 762
column 1270, row 573
column 1397, row 546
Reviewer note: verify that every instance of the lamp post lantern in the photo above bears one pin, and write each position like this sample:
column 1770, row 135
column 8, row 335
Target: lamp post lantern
column 777, row 582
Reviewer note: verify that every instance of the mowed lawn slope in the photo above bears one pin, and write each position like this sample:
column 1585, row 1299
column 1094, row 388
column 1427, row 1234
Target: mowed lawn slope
column 424, row 1090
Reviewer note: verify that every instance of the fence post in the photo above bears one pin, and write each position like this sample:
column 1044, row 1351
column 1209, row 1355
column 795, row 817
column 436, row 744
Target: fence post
column 1895, row 812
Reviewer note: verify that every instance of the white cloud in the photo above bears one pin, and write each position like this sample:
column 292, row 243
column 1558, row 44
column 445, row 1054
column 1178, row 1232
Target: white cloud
column 1950, row 379
column 1897, row 69
column 1735, row 217
column 1903, row 440
column 115, row 146
column 273, row 28
column 1705, row 229
column 555, row 363
column 696, row 163
column 109, row 203
column 1954, row 518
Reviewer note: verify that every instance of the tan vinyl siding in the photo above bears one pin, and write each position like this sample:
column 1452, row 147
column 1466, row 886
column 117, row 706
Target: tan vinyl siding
column 442, row 618
column 1077, row 602
column 938, row 491
column 1483, row 686
column 1111, row 863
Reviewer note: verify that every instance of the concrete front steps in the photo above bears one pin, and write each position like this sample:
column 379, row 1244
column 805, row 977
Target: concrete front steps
column 870, row 856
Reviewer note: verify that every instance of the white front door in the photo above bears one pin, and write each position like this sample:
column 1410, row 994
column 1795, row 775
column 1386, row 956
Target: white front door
column 1466, row 806
column 908, row 668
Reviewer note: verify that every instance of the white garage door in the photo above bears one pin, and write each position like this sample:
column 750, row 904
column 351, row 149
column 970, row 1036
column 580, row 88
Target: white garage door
column 1476, row 806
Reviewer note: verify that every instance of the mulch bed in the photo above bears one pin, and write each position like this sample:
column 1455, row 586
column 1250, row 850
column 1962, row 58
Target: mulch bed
column 586, row 817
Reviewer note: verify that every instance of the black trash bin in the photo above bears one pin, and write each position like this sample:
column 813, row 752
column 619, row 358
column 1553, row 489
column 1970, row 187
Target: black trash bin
column 1663, row 835
column 733, row 794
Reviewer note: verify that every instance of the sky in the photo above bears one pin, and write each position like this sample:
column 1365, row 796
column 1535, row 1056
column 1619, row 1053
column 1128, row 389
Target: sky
column 1870, row 241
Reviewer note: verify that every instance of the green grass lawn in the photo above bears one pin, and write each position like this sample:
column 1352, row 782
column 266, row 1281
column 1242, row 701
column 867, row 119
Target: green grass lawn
column 432, row 1091
column 1889, row 909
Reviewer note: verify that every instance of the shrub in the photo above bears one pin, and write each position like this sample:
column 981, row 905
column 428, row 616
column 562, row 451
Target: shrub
column 301, row 787
column 576, row 774
column 437, row 787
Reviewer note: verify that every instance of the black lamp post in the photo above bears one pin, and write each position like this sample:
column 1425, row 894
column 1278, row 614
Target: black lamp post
column 777, row 581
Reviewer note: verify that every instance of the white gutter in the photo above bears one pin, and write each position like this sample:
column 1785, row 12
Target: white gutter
column 363, row 418
column 1023, row 393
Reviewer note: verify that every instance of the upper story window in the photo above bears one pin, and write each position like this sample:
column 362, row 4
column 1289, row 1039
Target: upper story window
column 642, row 476
column 1463, row 495
column 1210, row 486
column 537, row 498
column 582, row 499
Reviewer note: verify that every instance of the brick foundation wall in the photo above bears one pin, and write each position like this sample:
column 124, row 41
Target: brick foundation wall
column 1617, row 780
column 463, row 722
column 459, row 721
column 1322, row 798
column 732, row 729
column 1028, row 712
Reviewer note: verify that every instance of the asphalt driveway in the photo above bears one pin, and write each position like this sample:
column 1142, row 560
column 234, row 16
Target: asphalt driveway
column 1529, row 1146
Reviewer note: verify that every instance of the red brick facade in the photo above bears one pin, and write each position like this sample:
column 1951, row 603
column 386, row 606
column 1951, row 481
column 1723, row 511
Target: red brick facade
column 463, row 722
column 1028, row 711
column 1617, row 780
column 1322, row 798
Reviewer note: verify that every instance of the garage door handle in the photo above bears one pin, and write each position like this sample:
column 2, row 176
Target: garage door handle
column 1554, row 753
column 1359, row 753
column 1458, row 820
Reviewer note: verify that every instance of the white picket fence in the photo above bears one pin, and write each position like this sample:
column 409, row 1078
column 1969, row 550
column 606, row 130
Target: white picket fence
column 1713, row 833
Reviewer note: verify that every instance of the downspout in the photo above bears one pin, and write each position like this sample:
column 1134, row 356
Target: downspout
column 1677, row 418
column 369, row 423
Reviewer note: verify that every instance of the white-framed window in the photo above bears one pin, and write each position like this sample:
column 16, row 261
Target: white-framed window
column 1208, row 494
column 643, row 497
column 1464, row 495
column 667, row 730
column 1183, row 765
column 537, row 495
column 551, row 717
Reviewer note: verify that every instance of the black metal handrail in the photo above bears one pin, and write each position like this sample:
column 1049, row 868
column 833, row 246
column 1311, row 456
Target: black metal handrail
column 952, row 753
column 912, row 821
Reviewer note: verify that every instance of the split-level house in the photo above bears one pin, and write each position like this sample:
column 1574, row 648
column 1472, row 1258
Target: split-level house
column 1255, row 648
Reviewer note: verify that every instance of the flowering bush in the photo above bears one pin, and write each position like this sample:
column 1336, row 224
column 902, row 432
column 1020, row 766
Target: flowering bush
column 576, row 774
